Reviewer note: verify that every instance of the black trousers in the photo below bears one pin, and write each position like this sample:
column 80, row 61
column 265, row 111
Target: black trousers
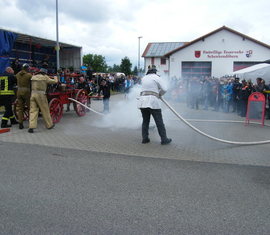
column 243, row 106
column 157, row 115
column 6, row 101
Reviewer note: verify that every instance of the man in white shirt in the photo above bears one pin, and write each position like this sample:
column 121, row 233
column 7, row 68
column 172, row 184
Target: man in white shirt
column 149, row 103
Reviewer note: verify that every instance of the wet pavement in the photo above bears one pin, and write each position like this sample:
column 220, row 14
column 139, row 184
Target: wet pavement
column 87, row 133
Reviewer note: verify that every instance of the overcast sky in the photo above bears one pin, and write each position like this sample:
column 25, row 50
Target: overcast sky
column 111, row 27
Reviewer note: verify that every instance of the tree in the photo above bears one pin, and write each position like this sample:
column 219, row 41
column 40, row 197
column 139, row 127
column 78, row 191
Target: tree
column 135, row 71
column 126, row 66
column 96, row 62
column 114, row 69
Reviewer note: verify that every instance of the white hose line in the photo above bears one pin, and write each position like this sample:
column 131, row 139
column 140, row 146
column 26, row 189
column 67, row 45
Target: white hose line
column 224, row 121
column 209, row 136
column 86, row 106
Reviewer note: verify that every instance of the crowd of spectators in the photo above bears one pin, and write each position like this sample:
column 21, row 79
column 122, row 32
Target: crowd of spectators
column 119, row 82
column 226, row 94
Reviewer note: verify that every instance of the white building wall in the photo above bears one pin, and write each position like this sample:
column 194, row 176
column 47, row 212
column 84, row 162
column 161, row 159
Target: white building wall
column 147, row 62
column 163, row 69
column 222, row 49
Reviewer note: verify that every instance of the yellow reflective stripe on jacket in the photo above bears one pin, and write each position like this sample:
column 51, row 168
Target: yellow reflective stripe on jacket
column 5, row 79
column 6, row 91
column 4, row 118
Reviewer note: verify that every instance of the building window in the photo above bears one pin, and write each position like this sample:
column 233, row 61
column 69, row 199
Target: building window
column 196, row 69
column 163, row 61
column 241, row 65
column 152, row 60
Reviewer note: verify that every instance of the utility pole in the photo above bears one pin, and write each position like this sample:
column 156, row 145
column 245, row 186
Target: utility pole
column 139, row 56
column 57, row 39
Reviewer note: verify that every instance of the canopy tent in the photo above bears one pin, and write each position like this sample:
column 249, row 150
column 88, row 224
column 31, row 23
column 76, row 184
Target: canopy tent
column 259, row 70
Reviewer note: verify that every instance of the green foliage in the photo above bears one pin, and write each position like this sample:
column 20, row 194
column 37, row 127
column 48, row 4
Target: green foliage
column 96, row 62
column 99, row 65
column 114, row 69
column 126, row 66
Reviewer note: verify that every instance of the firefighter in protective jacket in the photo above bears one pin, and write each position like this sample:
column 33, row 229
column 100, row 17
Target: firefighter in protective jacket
column 23, row 92
column 7, row 95
column 38, row 100
column 149, row 103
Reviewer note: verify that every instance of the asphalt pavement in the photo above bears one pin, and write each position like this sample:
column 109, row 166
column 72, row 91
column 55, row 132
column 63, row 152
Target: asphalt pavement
column 49, row 190
column 90, row 177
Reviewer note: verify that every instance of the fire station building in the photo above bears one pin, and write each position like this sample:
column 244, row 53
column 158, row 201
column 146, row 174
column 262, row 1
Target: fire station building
column 215, row 54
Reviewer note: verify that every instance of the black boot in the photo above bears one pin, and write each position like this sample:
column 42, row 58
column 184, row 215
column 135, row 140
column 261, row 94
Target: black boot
column 145, row 141
column 4, row 124
column 13, row 121
column 21, row 126
column 166, row 141
column 51, row 127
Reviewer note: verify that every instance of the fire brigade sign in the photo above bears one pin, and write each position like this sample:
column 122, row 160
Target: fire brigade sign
column 217, row 54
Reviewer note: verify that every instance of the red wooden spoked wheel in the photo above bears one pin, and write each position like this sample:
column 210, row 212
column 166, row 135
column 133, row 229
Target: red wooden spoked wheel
column 25, row 111
column 82, row 97
column 56, row 109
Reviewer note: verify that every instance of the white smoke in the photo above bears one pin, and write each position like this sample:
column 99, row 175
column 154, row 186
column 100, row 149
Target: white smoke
column 124, row 113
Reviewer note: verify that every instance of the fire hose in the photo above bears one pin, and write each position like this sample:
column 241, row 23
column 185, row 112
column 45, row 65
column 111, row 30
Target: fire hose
column 76, row 101
column 193, row 127
column 209, row 136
